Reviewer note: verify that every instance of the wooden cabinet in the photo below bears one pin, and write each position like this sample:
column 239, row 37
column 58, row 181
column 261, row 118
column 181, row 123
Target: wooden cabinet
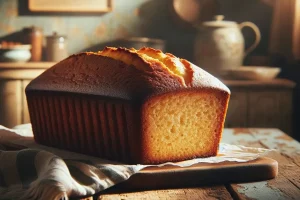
column 237, row 111
column 14, row 77
column 261, row 104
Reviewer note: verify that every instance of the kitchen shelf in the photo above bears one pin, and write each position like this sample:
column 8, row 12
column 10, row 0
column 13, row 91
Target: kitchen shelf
column 260, row 84
column 27, row 65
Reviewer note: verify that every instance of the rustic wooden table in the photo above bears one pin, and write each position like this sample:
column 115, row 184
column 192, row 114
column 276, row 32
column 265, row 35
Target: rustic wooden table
column 285, row 186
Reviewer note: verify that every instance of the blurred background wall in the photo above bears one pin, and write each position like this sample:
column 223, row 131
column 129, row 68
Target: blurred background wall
column 147, row 18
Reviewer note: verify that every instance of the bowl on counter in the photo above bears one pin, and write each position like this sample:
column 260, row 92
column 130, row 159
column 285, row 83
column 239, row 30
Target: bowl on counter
column 254, row 72
column 16, row 53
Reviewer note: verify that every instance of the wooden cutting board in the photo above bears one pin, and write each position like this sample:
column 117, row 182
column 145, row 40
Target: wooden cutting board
column 196, row 175
column 202, row 174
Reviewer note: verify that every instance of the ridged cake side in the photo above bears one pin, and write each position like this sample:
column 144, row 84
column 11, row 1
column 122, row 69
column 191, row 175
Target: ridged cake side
column 85, row 124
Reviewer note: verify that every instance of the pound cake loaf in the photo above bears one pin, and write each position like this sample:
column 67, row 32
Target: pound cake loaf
column 134, row 106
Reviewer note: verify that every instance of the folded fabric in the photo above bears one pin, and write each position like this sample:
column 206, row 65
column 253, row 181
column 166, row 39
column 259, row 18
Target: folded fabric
column 40, row 172
column 37, row 174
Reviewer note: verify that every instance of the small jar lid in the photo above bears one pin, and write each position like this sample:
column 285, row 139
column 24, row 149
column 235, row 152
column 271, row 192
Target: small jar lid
column 56, row 36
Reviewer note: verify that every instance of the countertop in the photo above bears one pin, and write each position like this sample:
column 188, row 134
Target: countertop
column 26, row 65
column 272, row 83
column 285, row 186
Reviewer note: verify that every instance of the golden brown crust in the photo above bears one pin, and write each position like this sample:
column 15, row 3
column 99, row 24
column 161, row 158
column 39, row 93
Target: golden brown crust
column 127, row 56
column 124, row 74
column 145, row 59
column 170, row 61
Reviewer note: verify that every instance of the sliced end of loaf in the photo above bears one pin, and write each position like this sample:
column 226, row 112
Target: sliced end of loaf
column 183, row 125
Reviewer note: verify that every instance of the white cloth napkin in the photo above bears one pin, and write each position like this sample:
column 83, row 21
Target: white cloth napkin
column 40, row 172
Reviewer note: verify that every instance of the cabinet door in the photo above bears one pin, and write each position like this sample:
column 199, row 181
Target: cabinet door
column 10, row 103
column 264, row 109
column 237, row 110
column 285, row 111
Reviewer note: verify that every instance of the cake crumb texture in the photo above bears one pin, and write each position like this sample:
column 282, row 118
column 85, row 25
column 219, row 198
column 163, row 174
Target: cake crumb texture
column 183, row 125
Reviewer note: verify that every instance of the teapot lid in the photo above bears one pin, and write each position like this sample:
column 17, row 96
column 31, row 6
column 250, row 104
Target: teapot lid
column 219, row 22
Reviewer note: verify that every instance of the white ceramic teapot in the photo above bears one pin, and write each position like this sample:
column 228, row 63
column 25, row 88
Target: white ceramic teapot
column 220, row 45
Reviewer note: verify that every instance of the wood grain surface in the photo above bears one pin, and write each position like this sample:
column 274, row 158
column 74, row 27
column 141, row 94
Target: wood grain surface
column 285, row 186
column 202, row 174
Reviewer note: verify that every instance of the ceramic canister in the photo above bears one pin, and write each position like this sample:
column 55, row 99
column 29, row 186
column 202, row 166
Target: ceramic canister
column 56, row 49
column 220, row 45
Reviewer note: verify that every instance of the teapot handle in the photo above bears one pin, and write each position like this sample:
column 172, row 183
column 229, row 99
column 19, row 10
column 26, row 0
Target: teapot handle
column 257, row 35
